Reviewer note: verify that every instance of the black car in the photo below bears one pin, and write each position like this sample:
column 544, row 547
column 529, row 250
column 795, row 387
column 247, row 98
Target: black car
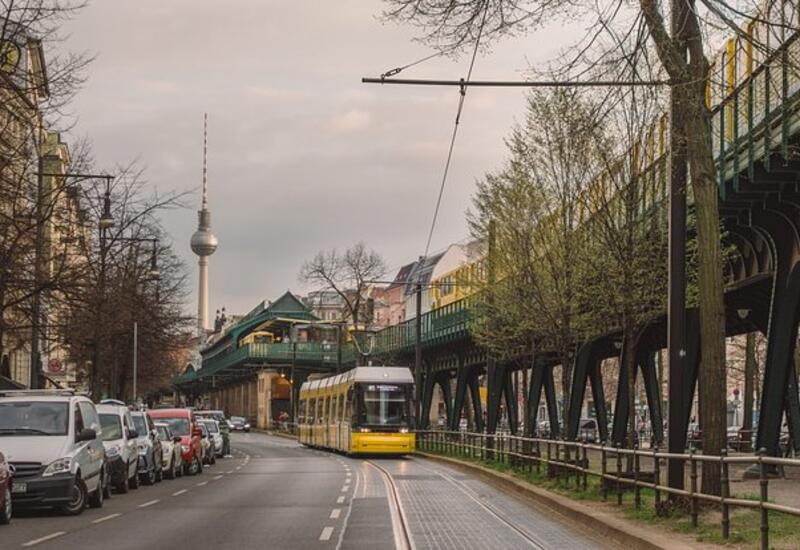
column 240, row 424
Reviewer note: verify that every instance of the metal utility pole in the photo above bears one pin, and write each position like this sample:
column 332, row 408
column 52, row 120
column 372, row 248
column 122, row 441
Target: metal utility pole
column 291, row 379
column 135, row 358
column 418, row 356
column 676, row 309
column 339, row 348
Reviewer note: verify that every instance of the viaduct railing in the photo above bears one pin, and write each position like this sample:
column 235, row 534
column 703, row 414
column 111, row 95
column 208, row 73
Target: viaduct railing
column 572, row 461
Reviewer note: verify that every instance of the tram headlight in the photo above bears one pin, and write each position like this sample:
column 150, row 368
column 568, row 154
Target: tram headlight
column 403, row 430
column 364, row 430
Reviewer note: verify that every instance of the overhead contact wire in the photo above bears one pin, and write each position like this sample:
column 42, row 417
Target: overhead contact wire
column 463, row 95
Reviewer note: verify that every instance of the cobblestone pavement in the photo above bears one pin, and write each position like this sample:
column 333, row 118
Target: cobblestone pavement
column 447, row 509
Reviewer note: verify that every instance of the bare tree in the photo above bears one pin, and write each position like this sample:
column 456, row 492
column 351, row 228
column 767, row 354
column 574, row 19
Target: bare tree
column 349, row 275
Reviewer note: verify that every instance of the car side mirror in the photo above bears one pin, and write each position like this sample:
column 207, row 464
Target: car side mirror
column 86, row 434
column 176, row 439
column 132, row 434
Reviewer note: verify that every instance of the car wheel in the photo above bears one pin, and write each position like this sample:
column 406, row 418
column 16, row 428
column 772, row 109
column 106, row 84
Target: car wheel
column 96, row 498
column 150, row 477
column 77, row 499
column 134, row 482
column 214, row 458
column 5, row 511
column 124, row 486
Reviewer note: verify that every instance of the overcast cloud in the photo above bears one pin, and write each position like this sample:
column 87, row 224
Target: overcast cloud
column 303, row 157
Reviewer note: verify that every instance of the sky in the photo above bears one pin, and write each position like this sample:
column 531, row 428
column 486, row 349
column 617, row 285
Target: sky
column 302, row 157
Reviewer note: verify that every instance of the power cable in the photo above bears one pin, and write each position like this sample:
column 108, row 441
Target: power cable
column 463, row 95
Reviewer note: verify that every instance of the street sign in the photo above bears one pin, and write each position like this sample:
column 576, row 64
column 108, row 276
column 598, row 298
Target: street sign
column 55, row 365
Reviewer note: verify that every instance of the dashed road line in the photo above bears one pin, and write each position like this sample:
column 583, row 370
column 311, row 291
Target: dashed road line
column 340, row 500
column 335, row 513
column 51, row 536
column 326, row 533
column 178, row 493
column 229, row 472
column 201, row 484
column 106, row 518
column 218, row 477
column 149, row 503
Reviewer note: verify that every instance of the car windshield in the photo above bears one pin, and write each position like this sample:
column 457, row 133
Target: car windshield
column 212, row 427
column 163, row 434
column 140, row 424
column 33, row 418
column 112, row 427
column 237, row 419
column 179, row 426
column 204, row 429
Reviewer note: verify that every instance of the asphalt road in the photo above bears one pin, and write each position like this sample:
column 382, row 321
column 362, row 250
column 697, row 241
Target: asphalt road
column 274, row 493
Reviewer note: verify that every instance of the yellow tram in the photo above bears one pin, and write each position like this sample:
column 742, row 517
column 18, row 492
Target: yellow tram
column 366, row 410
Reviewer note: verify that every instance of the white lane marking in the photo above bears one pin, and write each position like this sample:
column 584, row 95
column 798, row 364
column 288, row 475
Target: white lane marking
column 149, row 503
column 178, row 493
column 201, row 483
column 34, row 542
column 340, row 500
column 229, row 472
column 335, row 513
column 238, row 468
column 106, row 518
column 326, row 533
column 218, row 477
column 345, row 488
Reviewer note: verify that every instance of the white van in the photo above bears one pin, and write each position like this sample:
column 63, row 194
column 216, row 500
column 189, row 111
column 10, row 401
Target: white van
column 51, row 439
column 119, row 439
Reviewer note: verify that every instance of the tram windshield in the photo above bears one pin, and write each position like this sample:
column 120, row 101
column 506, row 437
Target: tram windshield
column 384, row 404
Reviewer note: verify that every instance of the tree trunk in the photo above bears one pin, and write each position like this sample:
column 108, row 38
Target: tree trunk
column 712, row 375
column 629, row 364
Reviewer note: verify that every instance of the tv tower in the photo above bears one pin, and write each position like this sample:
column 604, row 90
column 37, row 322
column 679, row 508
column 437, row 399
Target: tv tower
column 203, row 242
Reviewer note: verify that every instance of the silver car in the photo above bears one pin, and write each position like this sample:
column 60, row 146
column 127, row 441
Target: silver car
column 171, row 459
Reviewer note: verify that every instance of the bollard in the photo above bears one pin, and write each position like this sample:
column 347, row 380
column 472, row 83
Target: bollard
column 619, row 476
column 637, row 491
column 726, row 492
column 693, row 488
column 763, row 481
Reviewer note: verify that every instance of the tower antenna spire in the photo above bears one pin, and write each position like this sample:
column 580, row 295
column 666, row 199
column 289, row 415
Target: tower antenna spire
column 205, row 161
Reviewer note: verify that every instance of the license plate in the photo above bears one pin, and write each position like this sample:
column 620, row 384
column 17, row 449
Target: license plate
column 18, row 487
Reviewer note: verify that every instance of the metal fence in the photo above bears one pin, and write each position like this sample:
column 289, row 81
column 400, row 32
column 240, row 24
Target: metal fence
column 570, row 460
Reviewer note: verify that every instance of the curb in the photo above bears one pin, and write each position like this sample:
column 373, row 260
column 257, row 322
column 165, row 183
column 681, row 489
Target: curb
column 597, row 520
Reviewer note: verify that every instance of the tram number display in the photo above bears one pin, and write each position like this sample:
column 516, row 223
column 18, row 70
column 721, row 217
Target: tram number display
column 382, row 387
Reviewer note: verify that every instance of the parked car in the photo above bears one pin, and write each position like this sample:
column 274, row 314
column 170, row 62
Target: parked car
column 240, row 424
column 225, row 427
column 589, row 430
column 183, row 423
column 209, row 452
column 149, row 448
column 119, row 440
column 5, row 491
column 215, row 434
column 171, row 461
column 51, row 441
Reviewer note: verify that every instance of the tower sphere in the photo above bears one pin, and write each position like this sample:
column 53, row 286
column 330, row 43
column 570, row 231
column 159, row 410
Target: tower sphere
column 204, row 243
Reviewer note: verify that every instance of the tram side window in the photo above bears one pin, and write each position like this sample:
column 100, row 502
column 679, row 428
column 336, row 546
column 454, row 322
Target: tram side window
column 301, row 412
column 320, row 410
column 340, row 409
column 311, row 410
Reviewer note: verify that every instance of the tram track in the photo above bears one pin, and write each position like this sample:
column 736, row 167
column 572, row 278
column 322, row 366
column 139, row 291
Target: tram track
column 533, row 541
column 402, row 532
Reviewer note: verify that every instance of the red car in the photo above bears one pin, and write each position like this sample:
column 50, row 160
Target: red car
column 5, row 491
column 183, row 423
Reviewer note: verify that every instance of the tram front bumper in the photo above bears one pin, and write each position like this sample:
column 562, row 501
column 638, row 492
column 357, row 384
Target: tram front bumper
column 378, row 442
